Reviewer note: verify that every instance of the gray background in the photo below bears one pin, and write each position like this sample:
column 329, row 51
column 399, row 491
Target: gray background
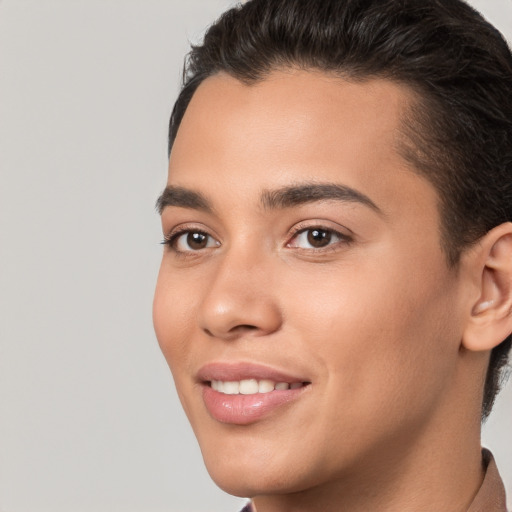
column 89, row 420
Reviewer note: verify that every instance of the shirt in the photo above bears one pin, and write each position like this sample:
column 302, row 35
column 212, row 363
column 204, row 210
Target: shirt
column 491, row 495
column 489, row 498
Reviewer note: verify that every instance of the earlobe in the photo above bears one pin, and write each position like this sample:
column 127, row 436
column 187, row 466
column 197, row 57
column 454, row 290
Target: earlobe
column 490, row 320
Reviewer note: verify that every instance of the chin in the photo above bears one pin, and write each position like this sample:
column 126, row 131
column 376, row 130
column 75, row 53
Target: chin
column 247, row 462
column 247, row 479
column 242, row 467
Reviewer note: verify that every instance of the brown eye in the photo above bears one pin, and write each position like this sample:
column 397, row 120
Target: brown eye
column 197, row 240
column 319, row 237
column 190, row 241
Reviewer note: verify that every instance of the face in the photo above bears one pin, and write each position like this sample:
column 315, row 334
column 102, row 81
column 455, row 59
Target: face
column 303, row 304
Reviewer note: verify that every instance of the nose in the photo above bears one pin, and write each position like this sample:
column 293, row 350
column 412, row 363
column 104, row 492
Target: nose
column 240, row 300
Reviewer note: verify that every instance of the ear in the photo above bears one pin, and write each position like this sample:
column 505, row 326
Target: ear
column 490, row 320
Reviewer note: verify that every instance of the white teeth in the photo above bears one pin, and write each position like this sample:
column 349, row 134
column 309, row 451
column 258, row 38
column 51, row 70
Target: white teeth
column 265, row 386
column 252, row 386
column 231, row 388
column 217, row 385
column 248, row 387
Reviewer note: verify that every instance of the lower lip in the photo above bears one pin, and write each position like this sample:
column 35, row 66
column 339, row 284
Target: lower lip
column 246, row 409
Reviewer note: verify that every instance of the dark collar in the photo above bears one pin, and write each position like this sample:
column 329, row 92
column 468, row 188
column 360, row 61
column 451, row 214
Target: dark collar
column 491, row 495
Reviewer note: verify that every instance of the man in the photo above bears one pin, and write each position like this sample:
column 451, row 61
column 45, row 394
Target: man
column 335, row 294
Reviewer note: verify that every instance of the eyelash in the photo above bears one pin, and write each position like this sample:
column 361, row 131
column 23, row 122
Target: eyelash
column 171, row 239
column 343, row 238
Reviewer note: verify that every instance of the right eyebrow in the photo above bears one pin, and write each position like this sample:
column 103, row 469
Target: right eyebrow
column 303, row 193
column 184, row 198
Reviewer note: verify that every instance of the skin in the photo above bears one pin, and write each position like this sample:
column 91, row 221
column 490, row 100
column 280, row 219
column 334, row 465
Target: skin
column 375, row 320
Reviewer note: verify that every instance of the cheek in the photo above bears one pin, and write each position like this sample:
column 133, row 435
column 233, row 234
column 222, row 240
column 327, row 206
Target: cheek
column 171, row 319
column 173, row 309
column 379, row 332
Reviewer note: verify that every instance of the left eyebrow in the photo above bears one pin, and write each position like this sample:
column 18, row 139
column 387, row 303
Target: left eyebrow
column 296, row 195
column 184, row 198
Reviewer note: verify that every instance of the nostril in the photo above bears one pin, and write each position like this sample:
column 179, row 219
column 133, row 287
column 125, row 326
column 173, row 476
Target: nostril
column 238, row 329
column 241, row 329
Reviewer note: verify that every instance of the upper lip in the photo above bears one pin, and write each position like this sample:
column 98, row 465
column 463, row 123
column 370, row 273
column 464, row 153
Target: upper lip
column 235, row 371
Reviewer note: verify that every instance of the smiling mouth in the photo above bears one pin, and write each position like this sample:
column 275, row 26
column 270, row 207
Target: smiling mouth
column 246, row 393
column 253, row 386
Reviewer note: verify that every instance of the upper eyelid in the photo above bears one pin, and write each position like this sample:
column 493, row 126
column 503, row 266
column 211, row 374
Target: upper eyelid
column 319, row 224
column 187, row 227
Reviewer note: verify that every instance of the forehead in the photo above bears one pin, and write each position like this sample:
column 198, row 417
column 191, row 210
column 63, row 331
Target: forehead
column 296, row 106
column 295, row 126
